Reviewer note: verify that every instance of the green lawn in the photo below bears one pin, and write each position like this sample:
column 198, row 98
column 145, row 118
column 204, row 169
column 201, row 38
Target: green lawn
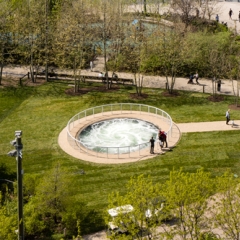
column 42, row 112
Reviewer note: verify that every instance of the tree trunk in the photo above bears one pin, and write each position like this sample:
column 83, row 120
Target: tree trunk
column 104, row 46
column 145, row 6
column 1, row 70
column 46, row 40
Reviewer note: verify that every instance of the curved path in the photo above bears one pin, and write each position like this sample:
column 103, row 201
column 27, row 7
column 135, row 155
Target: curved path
column 71, row 148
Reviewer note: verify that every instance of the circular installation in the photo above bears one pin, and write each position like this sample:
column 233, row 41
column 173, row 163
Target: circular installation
column 86, row 135
column 117, row 135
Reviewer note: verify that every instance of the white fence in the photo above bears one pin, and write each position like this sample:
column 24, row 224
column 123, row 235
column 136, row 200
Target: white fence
column 114, row 110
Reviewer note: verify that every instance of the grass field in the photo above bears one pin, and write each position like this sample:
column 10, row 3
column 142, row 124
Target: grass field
column 42, row 112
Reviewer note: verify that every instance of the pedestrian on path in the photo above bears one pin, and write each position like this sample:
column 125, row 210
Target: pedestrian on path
column 152, row 145
column 217, row 18
column 162, row 138
column 230, row 13
column 239, row 16
column 191, row 79
column 227, row 116
column 91, row 65
column 196, row 77
column 160, row 142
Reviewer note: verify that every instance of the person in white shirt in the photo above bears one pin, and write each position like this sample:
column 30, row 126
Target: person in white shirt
column 227, row 116
column 91, row 65
column 196, row 77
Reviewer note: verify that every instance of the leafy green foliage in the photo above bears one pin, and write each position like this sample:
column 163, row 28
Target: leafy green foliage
column 144, row 197
column 187, row 201
column 6, row 186
column 49, row 201
column 226, row 208
column 8, row 224
column 187, row 194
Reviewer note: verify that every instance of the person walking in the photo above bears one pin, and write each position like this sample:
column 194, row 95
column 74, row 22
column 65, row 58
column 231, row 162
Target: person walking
column 159, row 139
column 227, row 116
column 152, row 141
column 162, row 138
column 91, row 65
column 196, row 77
column 230, row 13
column 217, row 18
column 239, row 16
column 191, row 79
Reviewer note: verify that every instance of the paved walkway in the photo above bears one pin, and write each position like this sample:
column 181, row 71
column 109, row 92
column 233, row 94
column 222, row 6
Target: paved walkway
column 208, row 126
column 228, row 87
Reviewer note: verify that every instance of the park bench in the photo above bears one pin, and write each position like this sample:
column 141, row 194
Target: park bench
column 92, row 78
column 52, row 75
column 116, row 80
column 125, row 80
column 84, row 78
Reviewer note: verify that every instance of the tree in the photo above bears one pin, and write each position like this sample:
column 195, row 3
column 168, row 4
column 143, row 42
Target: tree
column 225, row 210
column 6, row 13
column 27, row 34
column 210, row 55
column 8, row 220
column 136, row 46
column 106, row 11
column 185, row 8
column 147, row 208
column 187, row 195
column 8, row 214
column 45, row 209
column 73, row 44
column 117, row 38
column 33, row 24
column 208, row 8
column 171, row 55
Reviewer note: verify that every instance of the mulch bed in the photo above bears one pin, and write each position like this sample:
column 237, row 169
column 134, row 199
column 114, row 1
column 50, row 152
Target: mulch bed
column 221, row 98
column 173, row 94
column 139, row 97
column 234, row 107
column 216, row 98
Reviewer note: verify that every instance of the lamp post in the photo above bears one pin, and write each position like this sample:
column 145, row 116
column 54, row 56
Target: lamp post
column 17, row 143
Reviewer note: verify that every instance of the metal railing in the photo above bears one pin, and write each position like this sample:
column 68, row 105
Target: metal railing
column 114, row 109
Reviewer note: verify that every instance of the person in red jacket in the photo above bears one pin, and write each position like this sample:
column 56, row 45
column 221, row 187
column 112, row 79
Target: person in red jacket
column 162, row 138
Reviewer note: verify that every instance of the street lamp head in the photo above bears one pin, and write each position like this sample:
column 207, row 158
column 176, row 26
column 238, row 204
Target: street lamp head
column 13, row 142
column 18, row 133
column 12, row 153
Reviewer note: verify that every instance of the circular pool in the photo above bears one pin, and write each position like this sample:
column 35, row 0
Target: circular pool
column 87, row 137
column 117, row 135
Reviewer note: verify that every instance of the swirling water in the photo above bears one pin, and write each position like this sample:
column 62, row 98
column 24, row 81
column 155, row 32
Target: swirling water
column 118, row 135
